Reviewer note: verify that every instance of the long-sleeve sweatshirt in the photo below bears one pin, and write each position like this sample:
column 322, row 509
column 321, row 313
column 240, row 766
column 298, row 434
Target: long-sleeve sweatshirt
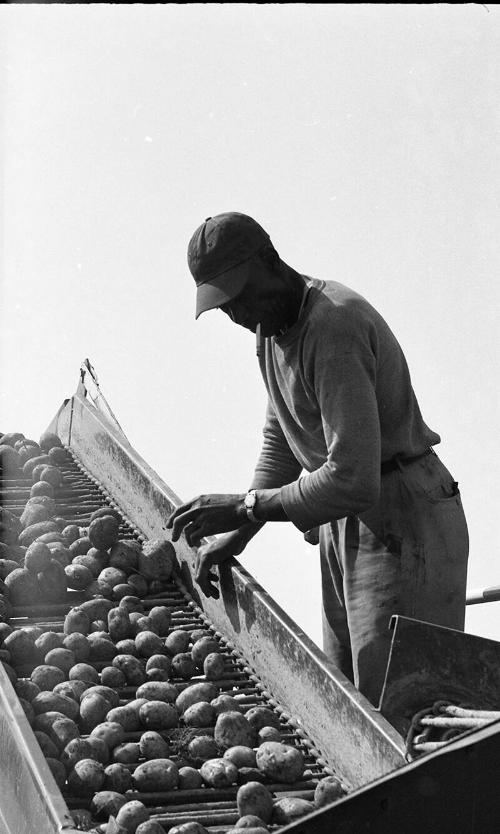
column 340, row 401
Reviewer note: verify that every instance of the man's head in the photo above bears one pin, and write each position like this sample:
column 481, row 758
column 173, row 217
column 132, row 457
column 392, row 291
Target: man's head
column 219, row 255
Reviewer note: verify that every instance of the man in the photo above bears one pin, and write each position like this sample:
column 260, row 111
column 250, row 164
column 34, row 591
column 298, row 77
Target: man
column 345, row 448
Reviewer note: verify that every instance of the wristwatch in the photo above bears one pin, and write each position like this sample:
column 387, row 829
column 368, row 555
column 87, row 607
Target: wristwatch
column 250, row 502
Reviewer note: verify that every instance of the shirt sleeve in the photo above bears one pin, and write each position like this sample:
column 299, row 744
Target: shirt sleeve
column 277, row 465
column 342, row 373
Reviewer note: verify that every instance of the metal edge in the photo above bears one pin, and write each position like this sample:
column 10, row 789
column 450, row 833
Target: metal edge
column 349, row 731
column 27, row 781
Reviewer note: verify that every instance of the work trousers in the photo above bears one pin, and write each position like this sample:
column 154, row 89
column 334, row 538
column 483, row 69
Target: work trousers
column 407, row 555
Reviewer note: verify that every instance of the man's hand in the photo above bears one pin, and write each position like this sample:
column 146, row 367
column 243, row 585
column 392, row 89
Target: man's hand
column 217, row 552
column 207, row 515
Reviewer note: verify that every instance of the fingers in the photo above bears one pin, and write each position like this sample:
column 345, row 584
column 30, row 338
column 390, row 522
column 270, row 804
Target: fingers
column 206, row 578
column 179, row 512
column 180, row 522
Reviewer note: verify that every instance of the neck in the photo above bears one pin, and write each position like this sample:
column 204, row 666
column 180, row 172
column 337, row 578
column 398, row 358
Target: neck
column 295, row 294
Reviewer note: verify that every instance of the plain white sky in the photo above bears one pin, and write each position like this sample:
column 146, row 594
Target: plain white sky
column 364, row 138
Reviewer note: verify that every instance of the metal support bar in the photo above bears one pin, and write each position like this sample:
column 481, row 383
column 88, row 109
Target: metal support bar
column 479, row 595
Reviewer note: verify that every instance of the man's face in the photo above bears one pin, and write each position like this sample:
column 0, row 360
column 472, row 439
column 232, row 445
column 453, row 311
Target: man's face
column 263, row 300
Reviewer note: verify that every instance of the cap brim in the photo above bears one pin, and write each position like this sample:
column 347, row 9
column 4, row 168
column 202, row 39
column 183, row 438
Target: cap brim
column 222, row 288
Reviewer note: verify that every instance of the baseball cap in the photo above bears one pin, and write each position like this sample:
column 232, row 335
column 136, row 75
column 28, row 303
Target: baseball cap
column 218, row 257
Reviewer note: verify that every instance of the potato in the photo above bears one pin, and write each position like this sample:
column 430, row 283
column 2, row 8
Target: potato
column 252, row 823
column 49, row 440
column 254, row 798
column 126, row 716
column 52, row 582
column 200, row 715
column 37, row 557
column 241, row 756
column 54, row 702
column 96, row 609
column 25, row 688
column 148, row 644
column 59, row 728
column 261, row 716
column 72, row 689
column 218, row 773
column 22, row 587
column 58, row 772
column 126, row 647
column 10, row 672
column 159, row 661
column 157, row 715
column 28, row 710
column 289, row 808
column 79, row 645
column 70, row 533
column 189, row 778
column 101, row 646
column 33, row 513
column 80, row 546
column 117, row 778
column 105, row 803
column 268, row 734
column 64, row 659
column 47, row 746
column 132, row 603
column 201, row 749
column 104, row 532
column 46, row 677
column 203, row 691
column 232, row 729
column 100, row 750
column 160, row 617
column 30, row 533
column 32, row 462
column 124, row 555
column 139, row 622
column 225, row 703
column 93, row 711
column 203, row 647
column 177, row 642
column 21, row 645
column 47, row 641
column 106, row 692
column 150, row 827
column 86, row 778
column 83, row 672
column 183, row 666
column 280, row 762
column 213, row 666
column 112, row 577
column 328, row 790
column 78, row 577
column 158, row 691
column 157, row 559
column 75, row 750
column 121, row 590
column 192, row 827
column 153, row 746
column 131, row 815
column 51, row 474
column 156, row 775
column 7, row 566
column 118, row 624
column 127, row 753
column 131, row 667
column 110, row 676
column 139, row 584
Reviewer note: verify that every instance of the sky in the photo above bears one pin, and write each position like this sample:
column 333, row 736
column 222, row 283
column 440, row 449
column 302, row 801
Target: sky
column 363, row 137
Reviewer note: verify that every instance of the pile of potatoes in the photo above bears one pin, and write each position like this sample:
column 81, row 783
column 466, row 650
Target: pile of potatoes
column 121, row 701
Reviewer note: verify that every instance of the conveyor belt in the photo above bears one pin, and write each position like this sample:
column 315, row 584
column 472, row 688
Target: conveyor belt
column 81, row 495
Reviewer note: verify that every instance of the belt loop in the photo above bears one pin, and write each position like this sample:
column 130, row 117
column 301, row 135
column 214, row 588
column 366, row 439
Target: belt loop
column 398, row 463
